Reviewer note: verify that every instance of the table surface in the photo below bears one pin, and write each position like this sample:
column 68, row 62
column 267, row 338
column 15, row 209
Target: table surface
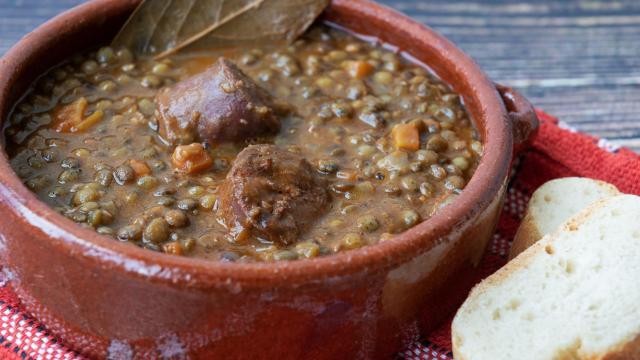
column 578, row 60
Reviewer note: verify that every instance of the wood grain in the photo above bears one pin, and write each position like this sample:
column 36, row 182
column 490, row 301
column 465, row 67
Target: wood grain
column 577, row 59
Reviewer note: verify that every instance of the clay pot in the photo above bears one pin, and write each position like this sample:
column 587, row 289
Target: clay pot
column 108, row 299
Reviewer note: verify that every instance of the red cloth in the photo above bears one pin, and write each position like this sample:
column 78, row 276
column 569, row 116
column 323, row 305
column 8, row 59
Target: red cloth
column 557, row 152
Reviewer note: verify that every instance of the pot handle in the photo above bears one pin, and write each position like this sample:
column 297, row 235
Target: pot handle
column 524, row 121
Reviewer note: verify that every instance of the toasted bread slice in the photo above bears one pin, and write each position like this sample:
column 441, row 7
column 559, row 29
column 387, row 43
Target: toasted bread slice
column 554, row 203
column 572, row 295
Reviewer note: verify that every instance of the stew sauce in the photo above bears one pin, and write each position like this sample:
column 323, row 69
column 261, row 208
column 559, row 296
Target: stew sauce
column 342, row 144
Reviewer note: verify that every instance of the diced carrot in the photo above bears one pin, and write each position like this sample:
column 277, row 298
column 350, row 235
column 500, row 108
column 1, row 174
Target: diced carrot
column 68, row 116
column 191, row 158
column 359, row 69
column 140, row 167
column 89, row 121
column 406, row 137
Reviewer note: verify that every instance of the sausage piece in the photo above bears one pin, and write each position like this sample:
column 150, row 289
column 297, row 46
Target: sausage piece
column 221, row 104
column 273, row 194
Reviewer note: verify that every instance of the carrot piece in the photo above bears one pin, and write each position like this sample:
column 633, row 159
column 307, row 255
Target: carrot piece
column 68, row 116
column 140, row 167
column 89, row 121
column 359, row 69
column 191, row 158
column 406, row 137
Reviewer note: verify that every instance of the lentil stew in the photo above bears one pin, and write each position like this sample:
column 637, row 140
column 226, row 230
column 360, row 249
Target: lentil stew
column 277, row 153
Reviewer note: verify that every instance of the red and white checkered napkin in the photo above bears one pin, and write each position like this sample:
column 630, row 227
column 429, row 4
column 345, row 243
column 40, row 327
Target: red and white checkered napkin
column 557, row 152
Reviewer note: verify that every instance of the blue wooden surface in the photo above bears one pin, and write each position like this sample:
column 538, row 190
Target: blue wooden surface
column 577, row 59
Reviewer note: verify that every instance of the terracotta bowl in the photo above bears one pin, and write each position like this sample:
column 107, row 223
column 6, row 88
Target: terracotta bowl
column 108, row 299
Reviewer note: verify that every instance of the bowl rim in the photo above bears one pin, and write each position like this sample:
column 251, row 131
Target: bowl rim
column 484, row 186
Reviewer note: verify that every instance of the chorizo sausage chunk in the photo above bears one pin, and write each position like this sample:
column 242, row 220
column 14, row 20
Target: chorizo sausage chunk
column 221, row 104
column 273, row 194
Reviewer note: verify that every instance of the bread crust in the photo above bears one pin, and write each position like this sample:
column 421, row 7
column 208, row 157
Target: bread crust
column 625, row 351
column 629, row 350
column 527, row 235
column 529, row 232
column 457, row 356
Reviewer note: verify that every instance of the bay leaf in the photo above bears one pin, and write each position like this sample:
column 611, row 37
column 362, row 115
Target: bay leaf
column 161, row 27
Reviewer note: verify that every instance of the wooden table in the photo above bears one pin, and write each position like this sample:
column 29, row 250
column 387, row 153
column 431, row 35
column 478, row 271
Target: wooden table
column 579, row 60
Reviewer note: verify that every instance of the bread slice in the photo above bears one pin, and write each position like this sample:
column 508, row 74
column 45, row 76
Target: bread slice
column 554, row 203
column 575, row 294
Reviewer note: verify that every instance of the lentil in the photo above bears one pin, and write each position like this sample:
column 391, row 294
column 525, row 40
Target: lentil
column 187, row 204
column 207, row 201
column 151, row 81
column 176, row 218
column 454, row 182
column 352, row 241
column 410, row 217
column 461, row 163
column 160, row 69
column 147, row 182
column 437, row 143
column 105, row 55
column 156, row 232
column 35, row 162
column 103, row 177
column 90, row 67
column 85, row 195
column 130, row 233
column 123, row 174
column 383, row 77
column 307, row 249
column 285, row 255
column 368, row 223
